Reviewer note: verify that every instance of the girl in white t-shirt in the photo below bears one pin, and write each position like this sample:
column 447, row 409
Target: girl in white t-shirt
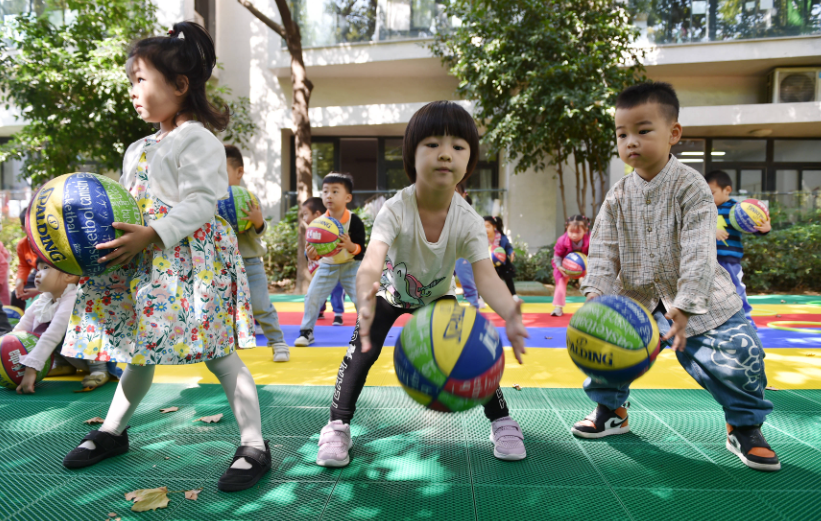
column 417, row 237
column 184, row 299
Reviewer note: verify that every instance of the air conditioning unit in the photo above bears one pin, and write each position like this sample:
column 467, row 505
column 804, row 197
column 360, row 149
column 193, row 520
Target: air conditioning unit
column 794, row 85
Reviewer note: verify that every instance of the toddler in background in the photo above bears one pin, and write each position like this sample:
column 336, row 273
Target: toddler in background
column 496, row 238
column 575, row 238
column 313, row 208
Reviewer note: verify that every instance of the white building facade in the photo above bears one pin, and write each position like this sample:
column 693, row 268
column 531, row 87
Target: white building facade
column 372, row 70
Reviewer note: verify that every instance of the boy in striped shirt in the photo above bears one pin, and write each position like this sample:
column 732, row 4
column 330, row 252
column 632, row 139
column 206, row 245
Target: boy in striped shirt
column 729, row 247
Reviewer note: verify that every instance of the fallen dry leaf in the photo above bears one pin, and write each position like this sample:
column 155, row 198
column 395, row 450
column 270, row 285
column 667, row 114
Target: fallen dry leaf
column 91, row 421
column 771, row 388
column 112, row 514
column 85, row 390
column 169, row 409
column 209, row 419
column 146, row 499
column 517, row 387
column 192, row 494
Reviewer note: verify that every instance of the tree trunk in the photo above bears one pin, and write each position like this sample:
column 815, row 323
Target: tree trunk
column 561, row 182
column 578, row 182
column 302, row 87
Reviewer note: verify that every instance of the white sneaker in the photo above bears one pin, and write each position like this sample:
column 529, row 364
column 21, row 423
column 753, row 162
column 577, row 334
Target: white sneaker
column 508, row 440
column 306, row 338
column 481, row 302
column 516, row 298
column 557, row 311
column 334, row 443
column 282, row 353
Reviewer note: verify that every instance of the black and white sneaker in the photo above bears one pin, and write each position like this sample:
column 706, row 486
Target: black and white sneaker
column 306, row 338
column 751, row 448
column 337, row 320
column 603, row 422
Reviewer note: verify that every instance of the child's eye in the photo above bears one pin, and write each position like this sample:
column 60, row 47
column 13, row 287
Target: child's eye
column 622, row 136
column 643, row 131
column 458, row 147
column 432, row 145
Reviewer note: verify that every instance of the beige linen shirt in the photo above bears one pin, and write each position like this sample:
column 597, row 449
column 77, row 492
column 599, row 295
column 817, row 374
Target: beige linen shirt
column 657, row 240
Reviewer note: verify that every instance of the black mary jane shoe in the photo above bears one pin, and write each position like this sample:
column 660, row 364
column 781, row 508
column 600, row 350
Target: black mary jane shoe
column 240, row 479
column 107, row 445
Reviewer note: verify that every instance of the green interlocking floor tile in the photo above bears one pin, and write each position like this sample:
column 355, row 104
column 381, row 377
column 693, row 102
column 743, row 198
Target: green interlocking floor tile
column 537, row 425
column 792, row 427
column 168, row 395
column 11, row 439
column 54, row 391
column 652, row 502
column 413, row 422
column 793, row 505
column 799, row 468
column 381, row 398
column 294, row 421
column 19, row 491
column 679, row 400
column 706, row 427
column 645, row 427
column 672, row 466
column 525, row 399
column 150, row 421
column 553, row 464
column 285, row 501
column 526, row 503
column 400, row 502
column 294, row 459
column 791, row 401
column 84, row 499
column 569, row 399
column 37, row 417
column 398, row 459
column 295, row 396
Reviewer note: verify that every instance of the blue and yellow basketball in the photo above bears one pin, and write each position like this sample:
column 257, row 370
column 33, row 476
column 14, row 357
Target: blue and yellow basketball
column 448, row 357
column 575, row 264
column 498, row 256
column 323, row 234
column 14, row 314
column 232, row 208
column 71, row 214
column 613, row 339
column 748, row 214
column 13, row 346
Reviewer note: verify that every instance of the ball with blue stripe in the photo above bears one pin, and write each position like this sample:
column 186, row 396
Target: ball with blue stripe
column 71, row 214
column 613, row 339
column 448, row 357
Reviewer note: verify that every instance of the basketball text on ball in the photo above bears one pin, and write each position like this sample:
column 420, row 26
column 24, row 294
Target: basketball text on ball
column 41, row 226
column 578, row 349
column 454, row 328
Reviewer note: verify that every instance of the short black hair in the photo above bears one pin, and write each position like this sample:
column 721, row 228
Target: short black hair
column 496, row 222
column 721, row 178
column 651, row 92
column 469, row 199
column 439, row 118
column 342, row 178
column 315, row 204
column 23, row 213
column 233, row 155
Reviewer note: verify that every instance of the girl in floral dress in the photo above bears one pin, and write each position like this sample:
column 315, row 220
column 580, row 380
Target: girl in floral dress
column 179, row 294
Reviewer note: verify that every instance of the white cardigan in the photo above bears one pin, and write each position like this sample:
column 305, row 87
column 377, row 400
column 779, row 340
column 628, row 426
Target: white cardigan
column 46, row 309
column 187, row 171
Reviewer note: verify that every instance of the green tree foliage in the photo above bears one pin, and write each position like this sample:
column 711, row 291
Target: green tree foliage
column 783, row 260
column 545, row 75
column 68, row 80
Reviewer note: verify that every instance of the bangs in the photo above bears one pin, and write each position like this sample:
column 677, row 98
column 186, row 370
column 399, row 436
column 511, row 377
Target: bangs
column 440, row 118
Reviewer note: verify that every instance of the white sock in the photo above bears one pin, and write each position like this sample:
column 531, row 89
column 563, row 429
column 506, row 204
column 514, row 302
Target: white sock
column 241, row 392
column 133, row 387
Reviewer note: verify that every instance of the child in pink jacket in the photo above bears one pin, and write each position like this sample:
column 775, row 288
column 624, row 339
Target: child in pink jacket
column 575, row 238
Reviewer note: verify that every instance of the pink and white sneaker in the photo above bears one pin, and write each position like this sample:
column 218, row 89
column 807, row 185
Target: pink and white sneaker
column 508, row 440
column 334, row 443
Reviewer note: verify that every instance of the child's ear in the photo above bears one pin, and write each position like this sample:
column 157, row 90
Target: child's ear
column 240, row 171
column 348, row 197
column 181, row 85
column 727, row 190
column 675, row 133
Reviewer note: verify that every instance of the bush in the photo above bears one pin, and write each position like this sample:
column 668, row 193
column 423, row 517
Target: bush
column 10, row 234
column 533, row 267
column 783, row 260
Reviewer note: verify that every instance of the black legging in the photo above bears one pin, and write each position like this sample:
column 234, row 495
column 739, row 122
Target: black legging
column 355, row 366
column 506, row 274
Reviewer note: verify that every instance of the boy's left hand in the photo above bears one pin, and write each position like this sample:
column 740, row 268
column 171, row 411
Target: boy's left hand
column 677, row 330
column 765, row 227
column 516, row 332
column 254, row 213
column 346, row 242
column 27, row 385
column 134, row 240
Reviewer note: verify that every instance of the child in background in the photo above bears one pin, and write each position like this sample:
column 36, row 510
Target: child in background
column 416, row 238
column 311, row 209
column 184, row 298
column 496, row 238
column 48, row 316
column 5, row 258
column 729, row 248
column 654, row 241
column 26, row 269
column 575, row 238
column 252, row 250
column 463, row 268
column 337, row 192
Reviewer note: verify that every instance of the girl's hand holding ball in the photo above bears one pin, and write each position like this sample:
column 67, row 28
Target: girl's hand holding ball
column 134, row 240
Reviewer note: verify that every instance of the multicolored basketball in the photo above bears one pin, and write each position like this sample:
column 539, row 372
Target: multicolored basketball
column 748, row 214
column 232, row 208
column 499, row 256
column 14, row 314
column 613, row 339
column 71, row 214
column 575, row 264
column 448, row 357
column 323, row 234
column 13, row 346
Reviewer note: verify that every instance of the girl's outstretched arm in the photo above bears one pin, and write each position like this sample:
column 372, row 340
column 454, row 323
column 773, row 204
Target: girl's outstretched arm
column 496, row 294
column 367, row 284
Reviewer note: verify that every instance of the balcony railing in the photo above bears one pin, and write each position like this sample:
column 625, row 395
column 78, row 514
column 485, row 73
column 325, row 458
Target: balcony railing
column 690, row 21
column 331, row 22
